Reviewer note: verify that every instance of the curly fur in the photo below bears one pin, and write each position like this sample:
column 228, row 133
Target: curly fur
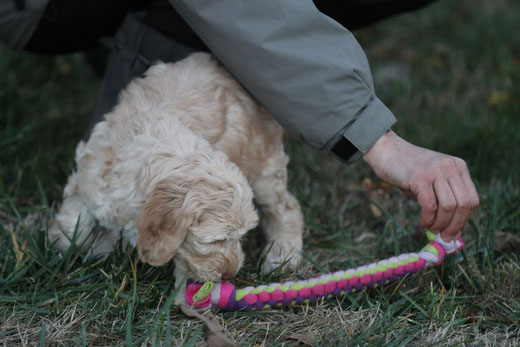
column 174, row 168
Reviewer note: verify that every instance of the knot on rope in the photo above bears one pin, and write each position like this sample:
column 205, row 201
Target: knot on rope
column 203, row 295
column 437, row 248
column 198, row 294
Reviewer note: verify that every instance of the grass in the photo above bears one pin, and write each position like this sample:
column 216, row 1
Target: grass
column 451, row 75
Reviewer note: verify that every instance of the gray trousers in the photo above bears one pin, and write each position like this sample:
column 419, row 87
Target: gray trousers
column 134, row 48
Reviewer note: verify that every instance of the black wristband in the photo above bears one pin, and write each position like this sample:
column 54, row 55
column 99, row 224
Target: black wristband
column 344, row 149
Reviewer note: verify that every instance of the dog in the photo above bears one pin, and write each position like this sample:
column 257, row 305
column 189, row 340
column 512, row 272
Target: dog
column 174, row 170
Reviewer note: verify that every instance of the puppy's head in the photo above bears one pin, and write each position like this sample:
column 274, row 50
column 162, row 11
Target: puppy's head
column 198, row 216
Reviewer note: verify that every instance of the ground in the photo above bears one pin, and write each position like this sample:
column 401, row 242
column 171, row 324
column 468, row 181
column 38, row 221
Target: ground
column 451, row 75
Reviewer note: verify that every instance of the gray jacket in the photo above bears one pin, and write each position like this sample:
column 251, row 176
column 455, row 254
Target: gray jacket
column 307, row 69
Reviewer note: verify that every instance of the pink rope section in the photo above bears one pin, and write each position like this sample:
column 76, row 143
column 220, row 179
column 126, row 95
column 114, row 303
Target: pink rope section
column 226, row 297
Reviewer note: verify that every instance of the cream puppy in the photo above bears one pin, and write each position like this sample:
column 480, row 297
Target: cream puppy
column 173, row 169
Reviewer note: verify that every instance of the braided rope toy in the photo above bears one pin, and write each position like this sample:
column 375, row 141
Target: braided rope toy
column 226, row 297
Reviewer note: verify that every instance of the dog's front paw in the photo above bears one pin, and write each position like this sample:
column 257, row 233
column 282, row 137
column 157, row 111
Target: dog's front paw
column 57, row 237
column 281, row 253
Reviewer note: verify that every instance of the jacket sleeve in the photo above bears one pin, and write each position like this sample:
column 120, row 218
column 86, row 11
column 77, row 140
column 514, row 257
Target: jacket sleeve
column 304, row 67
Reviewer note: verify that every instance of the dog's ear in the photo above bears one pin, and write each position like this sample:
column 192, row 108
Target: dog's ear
column 162, row 224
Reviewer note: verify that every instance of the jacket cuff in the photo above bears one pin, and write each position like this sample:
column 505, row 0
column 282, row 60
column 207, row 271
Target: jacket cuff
column 375, row 120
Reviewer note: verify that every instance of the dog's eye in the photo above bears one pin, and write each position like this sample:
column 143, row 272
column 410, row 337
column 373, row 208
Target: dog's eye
column 218, row 242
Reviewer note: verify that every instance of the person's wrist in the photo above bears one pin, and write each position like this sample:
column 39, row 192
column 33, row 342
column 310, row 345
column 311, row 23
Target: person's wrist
column 380, row 148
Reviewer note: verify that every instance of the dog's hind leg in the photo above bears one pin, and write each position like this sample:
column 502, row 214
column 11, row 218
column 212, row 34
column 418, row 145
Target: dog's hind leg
column 282, row 219
column 73, row 222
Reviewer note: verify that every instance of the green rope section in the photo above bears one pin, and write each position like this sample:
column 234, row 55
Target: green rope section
column 203, row 292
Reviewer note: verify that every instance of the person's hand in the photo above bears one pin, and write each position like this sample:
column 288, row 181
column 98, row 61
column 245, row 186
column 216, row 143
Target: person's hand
column 440, row 183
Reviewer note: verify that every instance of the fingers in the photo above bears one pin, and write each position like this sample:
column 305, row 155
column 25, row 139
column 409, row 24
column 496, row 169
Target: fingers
column 446, row 205
column 428, row 202
column 472, row 191
column 457, row 200
column 462, row 210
